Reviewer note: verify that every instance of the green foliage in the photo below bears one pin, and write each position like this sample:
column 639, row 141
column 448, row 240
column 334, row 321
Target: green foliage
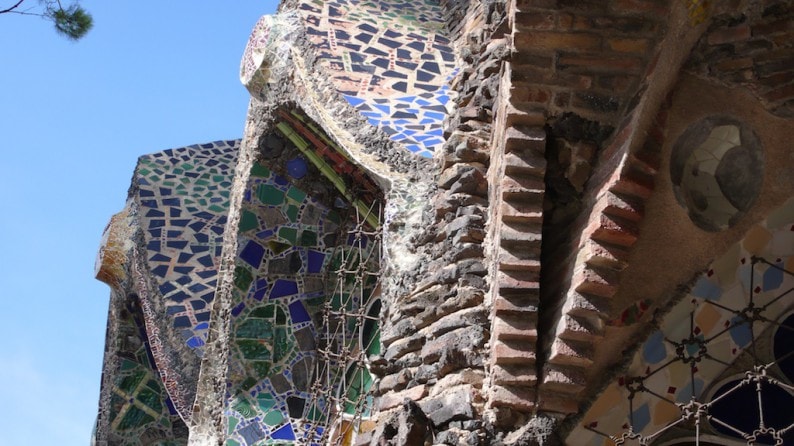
column 73, row 22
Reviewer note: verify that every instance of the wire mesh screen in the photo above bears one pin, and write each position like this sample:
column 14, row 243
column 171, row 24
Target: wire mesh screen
column 341, row 402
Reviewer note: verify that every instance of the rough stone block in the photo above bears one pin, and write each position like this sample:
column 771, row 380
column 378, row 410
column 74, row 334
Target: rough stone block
column 394, row 399
column 402, row 346
column 454, row 404
column 459, row 319
column 464, row 340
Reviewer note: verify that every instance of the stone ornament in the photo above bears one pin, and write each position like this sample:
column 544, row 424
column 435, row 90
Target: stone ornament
column 267, row 52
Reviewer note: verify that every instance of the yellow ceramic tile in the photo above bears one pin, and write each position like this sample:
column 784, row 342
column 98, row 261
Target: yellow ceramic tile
column 707, row 318
column 756, row 239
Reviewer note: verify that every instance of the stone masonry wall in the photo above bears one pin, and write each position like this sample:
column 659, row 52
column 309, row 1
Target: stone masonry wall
column 752, row 47
column 436, row 335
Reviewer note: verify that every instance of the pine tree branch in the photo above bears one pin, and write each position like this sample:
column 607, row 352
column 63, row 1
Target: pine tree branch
column 12, row 8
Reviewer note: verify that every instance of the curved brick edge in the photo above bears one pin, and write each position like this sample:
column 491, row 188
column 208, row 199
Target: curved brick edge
column 516, row 177
column 588, row 275
column 607, row 234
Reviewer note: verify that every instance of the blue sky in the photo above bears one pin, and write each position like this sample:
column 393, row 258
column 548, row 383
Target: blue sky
column 74, row 117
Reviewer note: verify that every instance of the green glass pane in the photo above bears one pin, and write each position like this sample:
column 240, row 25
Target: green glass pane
column 265, row 401
column 296, row 194
column 242, row 278
column 254, row 328
column 268, row 194
column 289, row 234
column 259, row 170
column 260, row 368
column 248, row 221
column 134, row 418
column 308, row 238
column 273, row 418
column 292, row 213
column 244, row 408
column 281, row 345
column 278, row 247
column 253, row 349
column 266, row 311
column 130, row 382
column 150, row 399
column 248, row 383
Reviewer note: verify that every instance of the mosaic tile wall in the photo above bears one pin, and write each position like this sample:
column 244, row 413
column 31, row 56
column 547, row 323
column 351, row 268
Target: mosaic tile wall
column 140, row 411
column 677, row 362
column 289, row 243
column 391, row 60
column 183, row 198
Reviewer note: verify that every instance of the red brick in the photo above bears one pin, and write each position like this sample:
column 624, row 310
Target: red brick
column 510, row 261
column 515, row 326
column 627, row 45
column 580, row 328
column 536, row 20
column 522, row 183
column 566, row 380
column 587, row 304
column 601, row 282
column 525, row 302
column 781, row 94
column 779, row 26
column 564, row 21
column 518, row 279
column 629, row 208
column 616, row 83
column 734, row 64
column 512, row 352
column 562, row 99
column 606, row 254
column 530, row 94
column 554, row 402
column 728, row 35
column 511, row 375
column 614, row 230
column 518, row 398
column 555, row 41
column 597, row 64
column 571, row 353
column 649, row 8
column 627, row 25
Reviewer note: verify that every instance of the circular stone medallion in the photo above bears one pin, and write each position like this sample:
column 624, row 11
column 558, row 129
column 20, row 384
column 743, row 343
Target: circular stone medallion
column 717, row 169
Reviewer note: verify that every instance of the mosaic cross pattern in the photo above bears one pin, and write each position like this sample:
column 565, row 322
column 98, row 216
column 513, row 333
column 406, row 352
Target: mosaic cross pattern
column 140, row 411
column 725, row 333
column 288, row 243
column 183, row 198
column 391, row 60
